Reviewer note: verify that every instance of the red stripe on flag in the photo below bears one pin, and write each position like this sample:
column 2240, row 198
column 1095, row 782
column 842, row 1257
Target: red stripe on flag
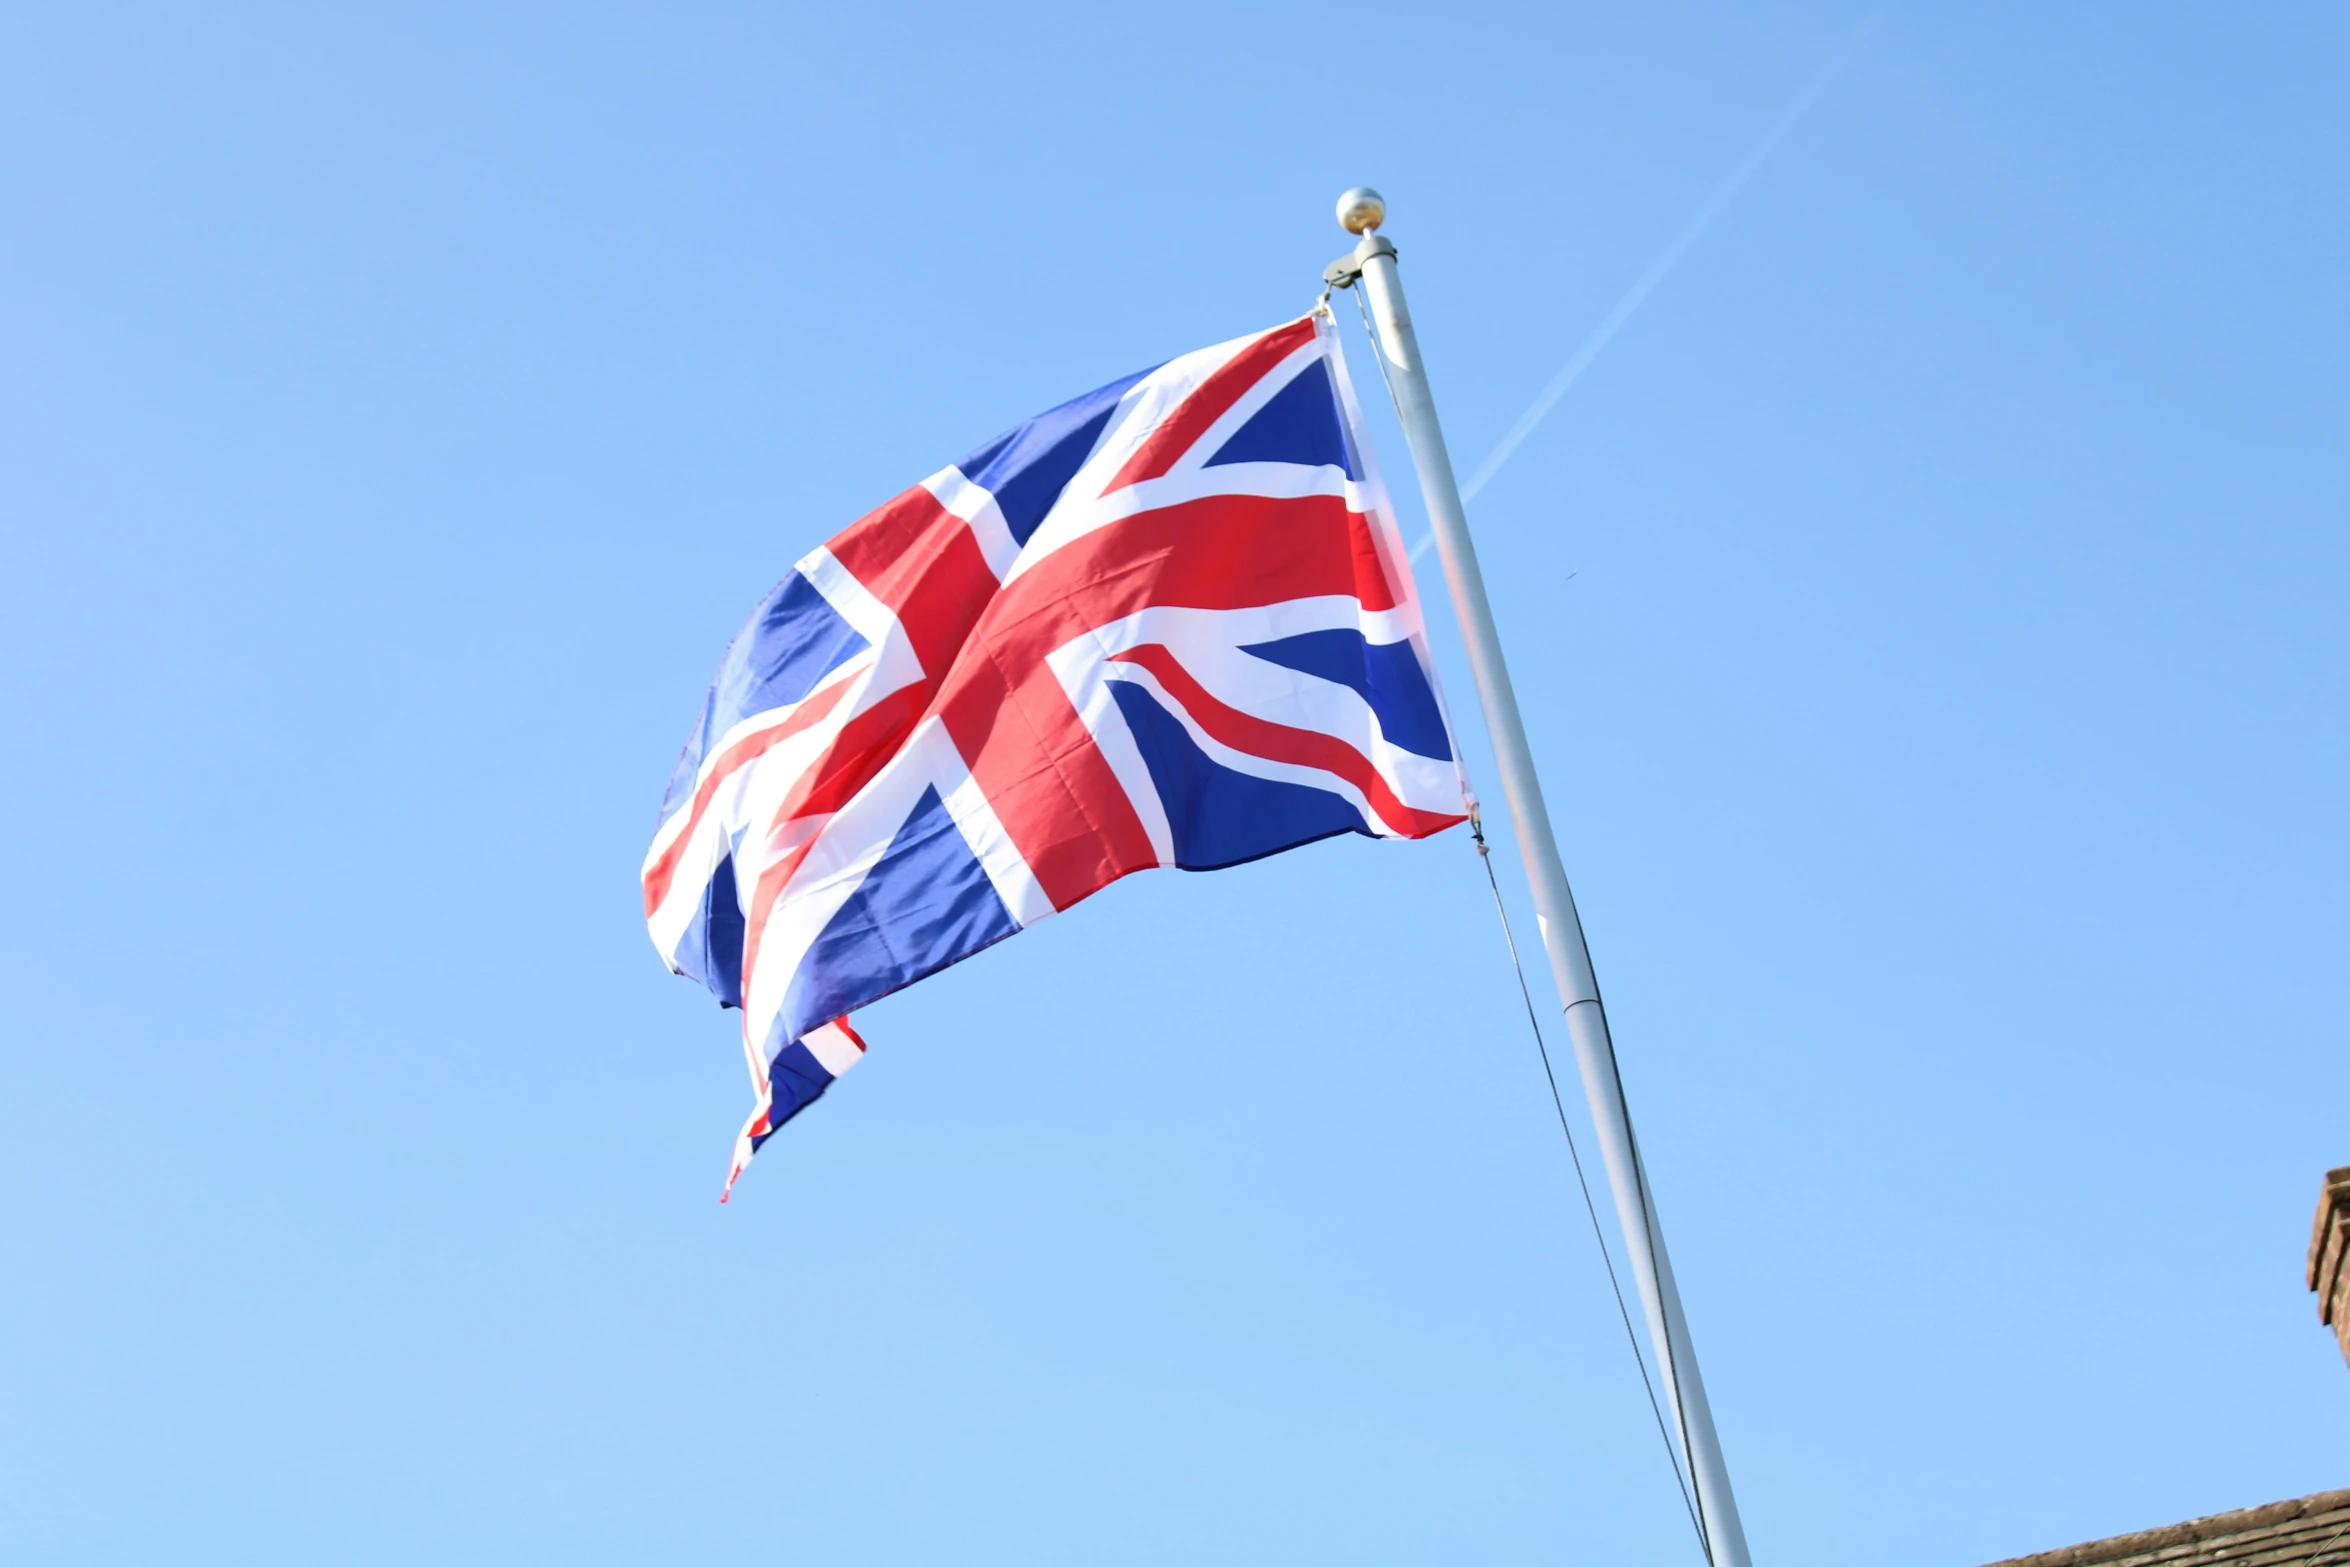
column 1209, row 401
column 730, row 761
column 1281, row 743
column 1048, row 783
column 1217, row 552
column 1017, row 730
column 921, row 560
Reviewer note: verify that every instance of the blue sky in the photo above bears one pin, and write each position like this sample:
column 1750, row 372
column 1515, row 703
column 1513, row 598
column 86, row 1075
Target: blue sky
column 1928, row 613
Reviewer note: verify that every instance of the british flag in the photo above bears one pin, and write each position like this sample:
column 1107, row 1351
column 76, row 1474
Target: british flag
column 1168, row 623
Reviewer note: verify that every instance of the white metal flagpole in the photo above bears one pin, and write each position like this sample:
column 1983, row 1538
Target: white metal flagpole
column 1361, row 211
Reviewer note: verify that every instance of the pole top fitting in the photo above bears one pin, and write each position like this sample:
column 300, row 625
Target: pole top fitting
column 1361, row 210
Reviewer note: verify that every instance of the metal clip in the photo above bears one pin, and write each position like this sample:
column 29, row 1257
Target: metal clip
column 1343, row 272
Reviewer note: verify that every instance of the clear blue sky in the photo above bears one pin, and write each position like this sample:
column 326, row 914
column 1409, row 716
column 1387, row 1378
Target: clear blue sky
column 1929, row 614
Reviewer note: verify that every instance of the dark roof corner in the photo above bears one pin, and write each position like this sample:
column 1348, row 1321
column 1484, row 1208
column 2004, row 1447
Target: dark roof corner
column 2329, row 1238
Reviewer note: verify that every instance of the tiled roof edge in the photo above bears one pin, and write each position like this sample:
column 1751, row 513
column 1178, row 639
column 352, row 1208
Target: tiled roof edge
column 2191, row 1532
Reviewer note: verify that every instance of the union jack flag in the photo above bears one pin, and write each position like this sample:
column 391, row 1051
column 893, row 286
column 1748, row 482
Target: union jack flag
column 1168, row 623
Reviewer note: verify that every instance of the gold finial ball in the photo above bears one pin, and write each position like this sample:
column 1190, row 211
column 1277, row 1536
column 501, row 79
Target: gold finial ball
column 1361, row 210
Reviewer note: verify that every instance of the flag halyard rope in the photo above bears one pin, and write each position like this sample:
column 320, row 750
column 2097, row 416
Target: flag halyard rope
column 1664, row 1431
column 1590, row 1208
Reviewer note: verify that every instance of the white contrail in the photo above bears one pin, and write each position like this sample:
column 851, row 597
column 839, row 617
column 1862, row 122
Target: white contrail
column 1613, row 322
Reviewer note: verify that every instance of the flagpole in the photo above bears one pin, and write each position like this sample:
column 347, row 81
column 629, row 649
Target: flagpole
column 1361, row 211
